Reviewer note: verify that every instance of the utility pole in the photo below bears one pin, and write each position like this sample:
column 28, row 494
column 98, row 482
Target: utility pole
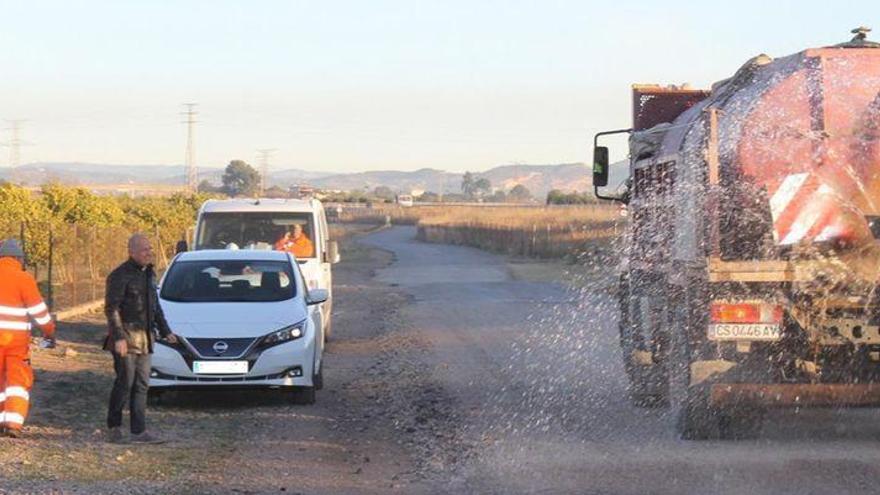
column 15, row 143
column 264, row 168
column 192, row 173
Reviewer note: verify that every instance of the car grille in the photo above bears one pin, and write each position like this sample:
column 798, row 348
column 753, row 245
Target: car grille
column 235, row 347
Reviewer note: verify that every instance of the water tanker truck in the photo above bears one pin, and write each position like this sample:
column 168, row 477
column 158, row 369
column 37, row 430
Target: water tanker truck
column 750, row 272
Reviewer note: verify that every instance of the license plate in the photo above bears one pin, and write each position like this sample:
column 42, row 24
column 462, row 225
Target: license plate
column 750, row 331
column 220, row 367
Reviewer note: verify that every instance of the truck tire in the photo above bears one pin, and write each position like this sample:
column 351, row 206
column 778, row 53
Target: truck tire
column 694, row 418
column 647, row 378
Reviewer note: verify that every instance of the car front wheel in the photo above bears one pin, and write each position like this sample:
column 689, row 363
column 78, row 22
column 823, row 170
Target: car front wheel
column 303, row 396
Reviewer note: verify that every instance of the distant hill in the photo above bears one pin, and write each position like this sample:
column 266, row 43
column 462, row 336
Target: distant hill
column 537, row 178
column 76, row 173
column 426, row 179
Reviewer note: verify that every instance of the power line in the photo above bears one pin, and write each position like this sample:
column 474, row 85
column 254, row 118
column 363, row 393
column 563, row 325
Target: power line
column 264, row 167
column 192, row 173
column 15, row 143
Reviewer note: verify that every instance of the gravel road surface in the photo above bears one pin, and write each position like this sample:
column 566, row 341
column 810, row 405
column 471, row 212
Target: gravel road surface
column 540, row 404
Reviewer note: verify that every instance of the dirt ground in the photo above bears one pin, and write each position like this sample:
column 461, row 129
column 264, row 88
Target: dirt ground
column 369, row 431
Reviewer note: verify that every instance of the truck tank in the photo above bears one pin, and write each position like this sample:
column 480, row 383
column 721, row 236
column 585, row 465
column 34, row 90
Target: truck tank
column 795, row 143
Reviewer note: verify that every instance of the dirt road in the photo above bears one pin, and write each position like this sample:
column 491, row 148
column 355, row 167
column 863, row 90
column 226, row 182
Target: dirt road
column 446, row 375
column 540, row 403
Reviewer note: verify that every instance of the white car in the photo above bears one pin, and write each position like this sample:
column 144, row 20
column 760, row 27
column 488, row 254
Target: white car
column 246, row 318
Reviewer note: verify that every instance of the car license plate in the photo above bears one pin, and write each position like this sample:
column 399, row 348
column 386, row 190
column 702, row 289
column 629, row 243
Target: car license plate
column 220, row 367
column 749, row 331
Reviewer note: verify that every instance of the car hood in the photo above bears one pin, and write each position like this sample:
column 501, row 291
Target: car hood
column 231, row 319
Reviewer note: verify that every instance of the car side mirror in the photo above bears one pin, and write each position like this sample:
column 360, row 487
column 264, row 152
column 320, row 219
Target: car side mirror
column 181, row 247
column 332, row 252
column 317, row 296
column 600, row 166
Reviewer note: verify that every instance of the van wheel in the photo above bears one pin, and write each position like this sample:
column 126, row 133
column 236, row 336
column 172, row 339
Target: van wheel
column 328, row 328
column 302, row 396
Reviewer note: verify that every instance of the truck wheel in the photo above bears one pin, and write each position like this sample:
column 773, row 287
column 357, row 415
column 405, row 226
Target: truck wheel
column 743, row 422
column 694, row 418
column 639, row 339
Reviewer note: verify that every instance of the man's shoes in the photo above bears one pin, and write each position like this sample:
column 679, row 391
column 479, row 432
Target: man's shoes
column 114, row 435
column 12, row 432
column 146, row 438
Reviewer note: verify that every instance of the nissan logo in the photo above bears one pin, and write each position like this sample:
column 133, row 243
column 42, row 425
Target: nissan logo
column 220, row 347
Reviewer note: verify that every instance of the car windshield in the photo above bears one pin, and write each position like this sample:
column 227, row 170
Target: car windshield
column 283, row 231
column 228, row 281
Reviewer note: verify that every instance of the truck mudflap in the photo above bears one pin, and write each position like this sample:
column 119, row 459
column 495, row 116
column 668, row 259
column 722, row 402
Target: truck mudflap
column 795, row 394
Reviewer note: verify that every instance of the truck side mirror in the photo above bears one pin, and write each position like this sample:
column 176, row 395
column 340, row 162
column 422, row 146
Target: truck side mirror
column 181, row 247
column 600, row 166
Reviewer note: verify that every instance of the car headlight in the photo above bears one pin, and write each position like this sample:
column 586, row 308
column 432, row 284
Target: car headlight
column 286, row 334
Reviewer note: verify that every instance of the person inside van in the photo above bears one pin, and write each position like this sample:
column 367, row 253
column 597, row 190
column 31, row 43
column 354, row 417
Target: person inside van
column 297, row 242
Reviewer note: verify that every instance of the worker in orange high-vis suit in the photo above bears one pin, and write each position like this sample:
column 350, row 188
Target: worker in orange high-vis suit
column 20, row 302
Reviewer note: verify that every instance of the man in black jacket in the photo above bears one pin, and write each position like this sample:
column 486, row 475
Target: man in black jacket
column 133, row 314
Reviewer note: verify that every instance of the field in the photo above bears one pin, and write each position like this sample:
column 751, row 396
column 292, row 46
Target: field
column 562, row 231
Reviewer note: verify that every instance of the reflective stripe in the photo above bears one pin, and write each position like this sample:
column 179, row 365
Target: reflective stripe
column 12, row 311
column 785, row 193
column 808, row 217
column 19, row 392
column 39, row 308
column 2, row 397
column 43, row 320
column 15, row 325
column 11, row 418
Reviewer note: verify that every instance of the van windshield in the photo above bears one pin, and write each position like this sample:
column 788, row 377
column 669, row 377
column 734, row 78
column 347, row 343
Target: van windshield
column 282, row 231
column 229, row 281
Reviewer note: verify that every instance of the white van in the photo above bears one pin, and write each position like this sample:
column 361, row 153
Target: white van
column 262, row 224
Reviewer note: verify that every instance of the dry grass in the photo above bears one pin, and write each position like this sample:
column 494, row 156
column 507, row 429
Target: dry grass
column 560, row 231
column 518, row 216
column 540, row 232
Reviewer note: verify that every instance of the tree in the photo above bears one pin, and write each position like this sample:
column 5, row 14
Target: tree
column 498, row 196
column 276, row 192
column 429, row 197
column 467, row 184
column 205, row 186
column 240, row 179
column 520, row 194
column 383, row 192
column 482, row 186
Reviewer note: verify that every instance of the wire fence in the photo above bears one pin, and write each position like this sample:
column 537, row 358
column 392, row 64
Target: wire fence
column 76, row 259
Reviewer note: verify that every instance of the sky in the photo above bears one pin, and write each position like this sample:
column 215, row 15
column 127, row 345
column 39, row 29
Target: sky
column 349, row 86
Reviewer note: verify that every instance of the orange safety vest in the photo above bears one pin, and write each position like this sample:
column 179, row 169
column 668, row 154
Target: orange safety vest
column 301, row 248
column 20, row 301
